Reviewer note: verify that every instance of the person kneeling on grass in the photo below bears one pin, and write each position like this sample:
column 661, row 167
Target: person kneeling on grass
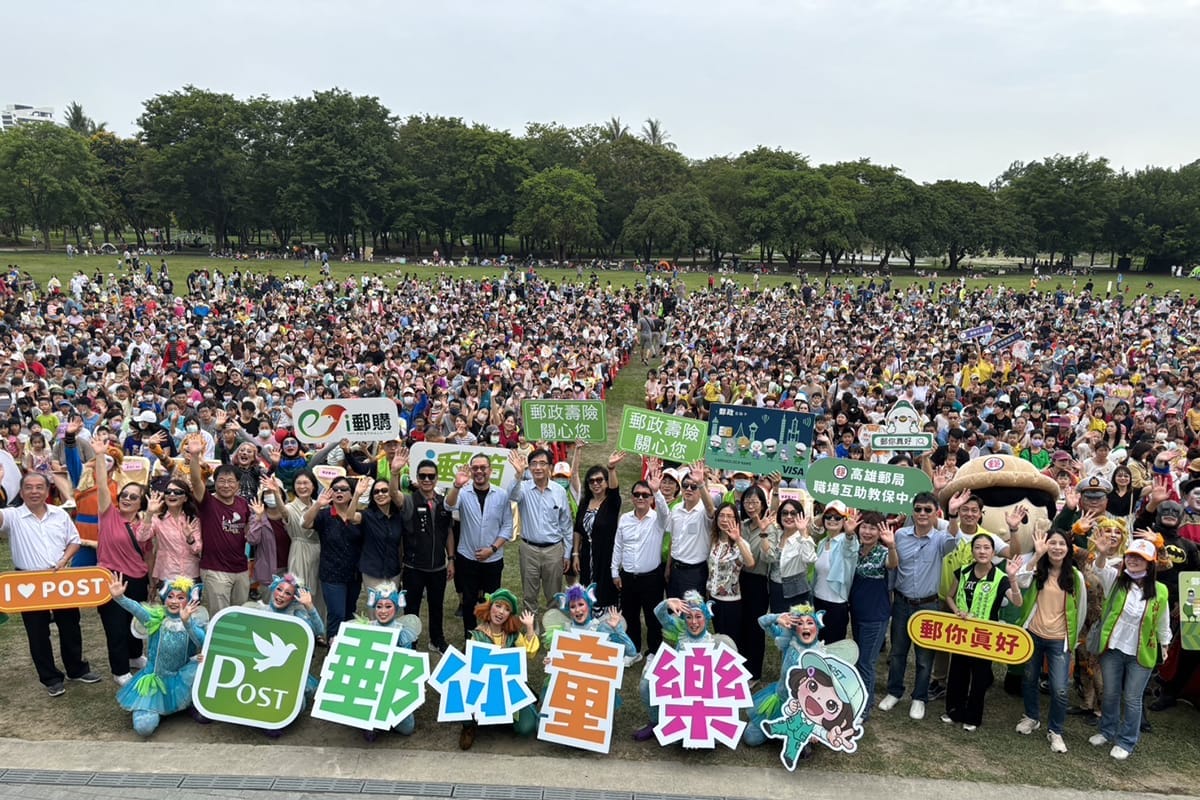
column 499, row 625
column 164, row 685
column 685, row 621
column 385, row 603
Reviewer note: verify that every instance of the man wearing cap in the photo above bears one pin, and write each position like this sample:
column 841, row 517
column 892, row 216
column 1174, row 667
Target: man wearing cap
column 920, row 548
column 547, row 527
column 1085, row 505
column 690, row 526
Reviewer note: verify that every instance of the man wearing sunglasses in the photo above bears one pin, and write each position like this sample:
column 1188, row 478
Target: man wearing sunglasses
column 428, row 550
column 690, row 526
column 920, row 548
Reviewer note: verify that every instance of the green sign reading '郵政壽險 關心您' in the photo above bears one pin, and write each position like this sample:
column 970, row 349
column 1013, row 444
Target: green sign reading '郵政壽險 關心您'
column 565, row 420
column 665, row 436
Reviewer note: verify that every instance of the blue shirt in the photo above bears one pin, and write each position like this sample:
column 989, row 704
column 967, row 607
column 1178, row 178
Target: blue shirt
column 920, row 567
column 481, row 527
column 545, row 514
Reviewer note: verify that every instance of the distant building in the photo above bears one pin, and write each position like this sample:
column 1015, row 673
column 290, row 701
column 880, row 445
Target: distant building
column 14, row 115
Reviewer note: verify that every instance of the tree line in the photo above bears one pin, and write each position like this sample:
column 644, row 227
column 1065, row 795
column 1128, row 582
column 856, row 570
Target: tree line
column 347, row 167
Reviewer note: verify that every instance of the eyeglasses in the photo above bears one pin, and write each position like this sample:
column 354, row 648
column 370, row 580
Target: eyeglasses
column 642, row 495
column 924, row 509
column 833, row 517
column 384, row 490
column 541, row 462
column 128, row 496
column 175, row 493
column 786, row 514
column 480, row 467
column 339, row 489
column 427, row 476
column 691, row 487
column 597, row 479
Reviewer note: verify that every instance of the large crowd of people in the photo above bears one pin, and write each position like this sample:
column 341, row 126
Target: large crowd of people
column 149, row 429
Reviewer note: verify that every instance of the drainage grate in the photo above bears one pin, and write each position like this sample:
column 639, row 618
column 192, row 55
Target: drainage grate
column 584, row 794
column 406, row 788
column 46, row 777
column 239, row 782
column 480, row 792
column 136, row 780
column 339, row 785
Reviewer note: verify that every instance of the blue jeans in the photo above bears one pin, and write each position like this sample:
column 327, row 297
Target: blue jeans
column 1059, row 661
column 341, row 601
column 1124, row 681
column 901, row 611
column 869, row 636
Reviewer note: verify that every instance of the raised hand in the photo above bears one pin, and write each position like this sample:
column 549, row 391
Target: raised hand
column 186, row 612
column 1039, row 542
column 1071, row 496
column 1011, row 568
column 527, row 620
column 305, row 598
column 1016, row 516
column 887, row 535
column 325, row 499
column 156, row 503
column 957, row 501
column 461, row 476
column 852, row 520
column 116, row 586
column 258, row 507
column 616, row 458
column 654, row 478
column 519, row 461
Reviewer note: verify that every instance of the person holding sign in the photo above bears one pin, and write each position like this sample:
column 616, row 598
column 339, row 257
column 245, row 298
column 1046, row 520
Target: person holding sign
column 500, row 625
column 1054, row 609
column 43, row 537
column 485, row 527
column 976, row 592
column 546, row 528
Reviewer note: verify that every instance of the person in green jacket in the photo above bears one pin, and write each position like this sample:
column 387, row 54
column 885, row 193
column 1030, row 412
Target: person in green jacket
column 1135, row 630
column 1053, row 611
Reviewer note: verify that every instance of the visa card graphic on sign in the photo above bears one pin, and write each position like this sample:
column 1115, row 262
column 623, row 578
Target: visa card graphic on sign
column 255, row 668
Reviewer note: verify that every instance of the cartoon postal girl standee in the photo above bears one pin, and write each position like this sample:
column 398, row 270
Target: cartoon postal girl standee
column 826, row 699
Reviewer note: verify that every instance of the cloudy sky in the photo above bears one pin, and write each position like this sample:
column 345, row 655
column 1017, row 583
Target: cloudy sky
column 940, row 88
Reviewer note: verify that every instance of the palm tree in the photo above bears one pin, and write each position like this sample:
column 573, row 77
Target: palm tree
column 614, row 129
column 80, row 122
column 655, row 134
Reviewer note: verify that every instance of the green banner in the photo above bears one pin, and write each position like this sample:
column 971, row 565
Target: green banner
column 1189, row 610
column 665, row 436
column 865, row 485
column 565, row 420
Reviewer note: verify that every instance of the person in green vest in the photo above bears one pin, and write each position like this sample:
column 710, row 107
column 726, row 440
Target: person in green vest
column 1135, row 629
column 977, row 592
column 1054, row 610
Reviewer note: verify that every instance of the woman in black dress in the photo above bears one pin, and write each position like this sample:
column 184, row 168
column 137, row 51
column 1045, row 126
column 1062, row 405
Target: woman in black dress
column 596, row 530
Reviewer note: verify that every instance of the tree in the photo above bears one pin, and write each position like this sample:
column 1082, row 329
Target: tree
column 1066, row 200
column 434, row 153
column 80, row 122
column 1155, row 214
column 626, row 171
column 48, row 174
column 496, row 169
column 275, row 197
column 201, row 137
column 654, row 134
column 552, row 145
column 558, row 205
column 966, row 220
column 614, row 130
column 340, row 151
column 125, row 186
column 653, row 222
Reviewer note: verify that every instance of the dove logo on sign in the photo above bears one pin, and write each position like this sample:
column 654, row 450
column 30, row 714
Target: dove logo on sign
column 255, row 668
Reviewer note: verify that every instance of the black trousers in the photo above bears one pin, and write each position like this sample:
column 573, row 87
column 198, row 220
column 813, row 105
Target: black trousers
column 640, row 593
column 687, row 576
column 477, row 579
column 836, row 620
column 122, row 644
column 751, row 640
column 595, row 566
column 432, row 585
column 70, row 641
column 967, row 682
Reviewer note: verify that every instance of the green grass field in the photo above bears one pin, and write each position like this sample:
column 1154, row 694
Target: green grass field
column 1167, row 760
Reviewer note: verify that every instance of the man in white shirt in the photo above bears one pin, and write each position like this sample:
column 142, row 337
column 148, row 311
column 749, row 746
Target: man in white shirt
column 637, row 568
column 43, row 537
column 690, row 525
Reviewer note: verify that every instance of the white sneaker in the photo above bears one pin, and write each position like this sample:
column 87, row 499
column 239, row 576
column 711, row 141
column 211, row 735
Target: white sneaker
column 121, row 680
column 1097, row 739
column 917, row 709
column 631, row 660
column 946, row 719
column 1057, row 745
column 1027, row 726
column 888, row 703
column 970, row 728
column 137, row 663
column 1119, row 753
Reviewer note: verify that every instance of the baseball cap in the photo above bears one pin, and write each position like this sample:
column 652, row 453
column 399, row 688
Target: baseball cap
column 1143, row 548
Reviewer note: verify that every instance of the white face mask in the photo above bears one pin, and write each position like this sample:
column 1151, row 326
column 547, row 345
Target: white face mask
column 191, row 428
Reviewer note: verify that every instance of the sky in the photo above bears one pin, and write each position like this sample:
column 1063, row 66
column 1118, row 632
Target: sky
column 939, row 88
